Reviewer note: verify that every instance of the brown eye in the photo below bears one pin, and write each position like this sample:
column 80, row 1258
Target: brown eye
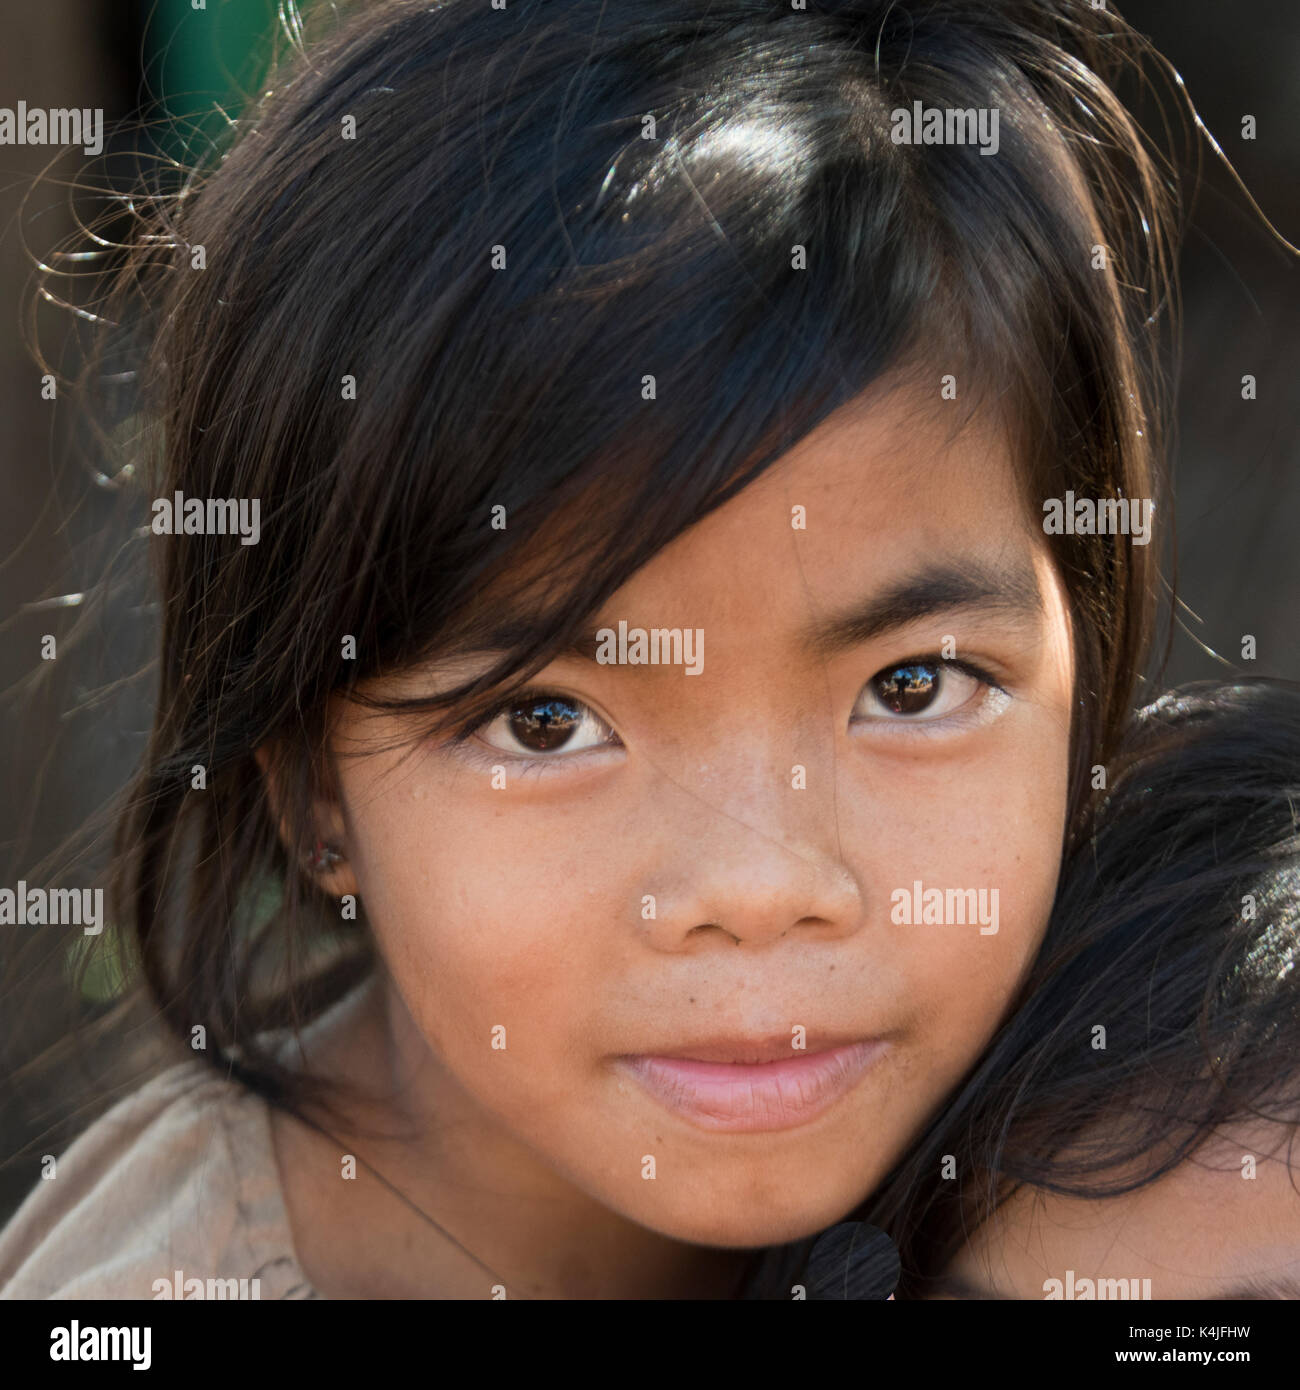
column 926, row 690
column 543, row 725
column 908, row 689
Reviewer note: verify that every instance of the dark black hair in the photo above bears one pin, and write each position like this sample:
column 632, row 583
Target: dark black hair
column 1176, row 930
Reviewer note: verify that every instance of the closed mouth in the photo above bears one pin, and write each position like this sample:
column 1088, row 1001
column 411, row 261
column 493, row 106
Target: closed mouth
column 753, row 1095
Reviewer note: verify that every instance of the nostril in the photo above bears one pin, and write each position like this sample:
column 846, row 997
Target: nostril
column 716, row 926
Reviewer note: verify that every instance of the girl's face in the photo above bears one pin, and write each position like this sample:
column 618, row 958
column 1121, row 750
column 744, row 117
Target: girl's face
column 1224, row 1225
column 632, row 860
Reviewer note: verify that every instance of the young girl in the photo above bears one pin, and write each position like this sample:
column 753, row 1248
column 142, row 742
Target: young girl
column 1130, row 1132
column 646, row 440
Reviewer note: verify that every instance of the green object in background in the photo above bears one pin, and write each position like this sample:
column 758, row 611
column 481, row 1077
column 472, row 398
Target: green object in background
column 201, row 63
column 109, row 965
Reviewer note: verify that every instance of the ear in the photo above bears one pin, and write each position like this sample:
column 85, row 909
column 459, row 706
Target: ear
column 327, row 822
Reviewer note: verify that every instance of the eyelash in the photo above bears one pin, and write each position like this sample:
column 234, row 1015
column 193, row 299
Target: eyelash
column 462, row 738
column 903, row 726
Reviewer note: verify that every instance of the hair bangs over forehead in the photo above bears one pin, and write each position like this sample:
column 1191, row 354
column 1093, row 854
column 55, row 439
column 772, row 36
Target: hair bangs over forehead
column 667, row 249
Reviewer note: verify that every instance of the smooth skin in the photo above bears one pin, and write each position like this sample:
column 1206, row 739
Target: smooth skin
column 522, row 907
column 1223, row 1225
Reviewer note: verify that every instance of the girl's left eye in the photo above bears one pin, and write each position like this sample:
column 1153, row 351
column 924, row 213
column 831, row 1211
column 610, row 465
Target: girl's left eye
column 920, row 691
column 543, row 723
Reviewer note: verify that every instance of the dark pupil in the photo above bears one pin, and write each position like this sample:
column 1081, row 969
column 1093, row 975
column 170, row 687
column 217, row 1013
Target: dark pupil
column 908, row 689
column 543, row 724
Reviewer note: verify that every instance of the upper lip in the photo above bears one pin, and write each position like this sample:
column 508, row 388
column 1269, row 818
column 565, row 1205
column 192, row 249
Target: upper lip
column 748, row 1051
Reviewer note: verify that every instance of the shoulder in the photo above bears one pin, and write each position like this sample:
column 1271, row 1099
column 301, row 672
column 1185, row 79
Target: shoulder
column 176, row 1182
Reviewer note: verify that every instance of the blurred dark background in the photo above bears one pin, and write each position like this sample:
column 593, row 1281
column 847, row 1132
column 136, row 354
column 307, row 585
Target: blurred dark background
column 1236, row 462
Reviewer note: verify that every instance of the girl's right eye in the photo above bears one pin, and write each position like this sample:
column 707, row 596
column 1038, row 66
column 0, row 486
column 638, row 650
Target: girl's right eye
column 544, row 723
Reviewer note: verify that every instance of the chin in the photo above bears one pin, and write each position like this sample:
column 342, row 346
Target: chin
column 744, row 1225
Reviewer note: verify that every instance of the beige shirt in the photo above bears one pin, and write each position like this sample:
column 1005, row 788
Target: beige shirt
column 177, row 1182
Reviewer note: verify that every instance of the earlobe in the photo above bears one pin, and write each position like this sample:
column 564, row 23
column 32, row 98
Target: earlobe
column 321, row 858
column 325, row 860
column 326, row 865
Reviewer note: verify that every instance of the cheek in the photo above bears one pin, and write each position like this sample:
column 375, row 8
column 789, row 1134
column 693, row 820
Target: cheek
column 480, row 922
column 993, row 821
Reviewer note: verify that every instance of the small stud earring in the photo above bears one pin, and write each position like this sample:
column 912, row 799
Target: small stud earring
column 321, row 858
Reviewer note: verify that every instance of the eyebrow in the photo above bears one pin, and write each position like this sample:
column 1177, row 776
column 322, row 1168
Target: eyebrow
column 1282, row 1287
column 962, row 584
column 948, row 588
column 965, row 583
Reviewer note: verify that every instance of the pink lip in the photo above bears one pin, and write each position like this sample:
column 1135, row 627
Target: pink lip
column 761, row 1096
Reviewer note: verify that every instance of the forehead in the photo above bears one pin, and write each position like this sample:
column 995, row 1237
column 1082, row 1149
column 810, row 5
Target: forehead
column 1227, row 1217
column 899, row 501
column 895, row 478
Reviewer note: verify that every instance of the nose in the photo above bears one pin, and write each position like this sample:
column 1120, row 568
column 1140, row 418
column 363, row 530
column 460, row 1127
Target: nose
column 749, row 872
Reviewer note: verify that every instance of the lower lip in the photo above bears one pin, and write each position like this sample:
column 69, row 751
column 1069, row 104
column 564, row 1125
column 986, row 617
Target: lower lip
column 762, row 1097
